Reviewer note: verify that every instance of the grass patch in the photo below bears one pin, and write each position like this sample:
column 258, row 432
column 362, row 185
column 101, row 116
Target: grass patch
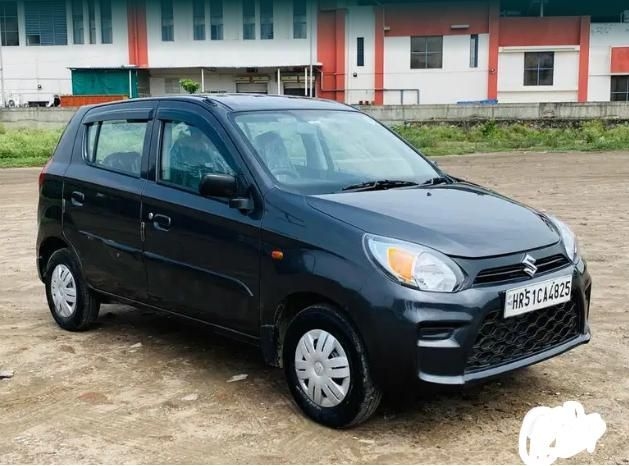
column 32, row 147
column 26, row 147
column 444, row 139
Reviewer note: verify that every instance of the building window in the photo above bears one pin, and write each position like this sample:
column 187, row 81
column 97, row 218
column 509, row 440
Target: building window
column 300, row 19
column 45, row 22
column 539, row 68
column 360, row 51
column 77, row 22
column 168, row 25
column 172, row 86
column 426, row 52
column 105, row 22
column 91, row 13
column 8, row 24
column 198, row 19
column 620, row 89
column 474, row 51
column 248, row 19
column 266, row 19
column 216, row 19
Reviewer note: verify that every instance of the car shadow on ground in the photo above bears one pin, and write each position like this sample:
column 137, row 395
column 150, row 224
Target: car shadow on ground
column 177, row 338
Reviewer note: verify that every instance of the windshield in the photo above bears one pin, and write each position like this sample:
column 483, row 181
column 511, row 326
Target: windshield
column 320, row 152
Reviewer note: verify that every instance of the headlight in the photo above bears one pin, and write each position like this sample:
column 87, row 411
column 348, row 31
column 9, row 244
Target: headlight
column 568, row 238
column 415, row 265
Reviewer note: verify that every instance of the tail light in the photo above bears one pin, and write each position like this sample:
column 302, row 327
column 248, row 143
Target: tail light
column 43, row 173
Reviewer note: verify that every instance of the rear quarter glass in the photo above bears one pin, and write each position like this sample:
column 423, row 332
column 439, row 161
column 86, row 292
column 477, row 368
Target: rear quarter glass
column 65, row 146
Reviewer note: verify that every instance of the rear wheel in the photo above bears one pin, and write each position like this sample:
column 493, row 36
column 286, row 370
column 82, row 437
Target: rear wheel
column 73, row 306
column 327, row 370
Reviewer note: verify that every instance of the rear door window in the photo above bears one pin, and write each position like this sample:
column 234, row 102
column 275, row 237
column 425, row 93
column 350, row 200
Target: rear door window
column 116, row 145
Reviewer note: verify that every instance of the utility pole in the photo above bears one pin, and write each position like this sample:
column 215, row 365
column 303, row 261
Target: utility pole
column 1, row 72
column 311, row 18
column 541, row 7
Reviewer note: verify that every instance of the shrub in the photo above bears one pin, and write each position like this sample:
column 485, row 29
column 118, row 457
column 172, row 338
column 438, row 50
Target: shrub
column 26, row 147
column 189, row 85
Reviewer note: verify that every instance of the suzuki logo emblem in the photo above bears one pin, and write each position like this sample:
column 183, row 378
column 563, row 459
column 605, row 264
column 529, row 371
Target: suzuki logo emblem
column 529, row 265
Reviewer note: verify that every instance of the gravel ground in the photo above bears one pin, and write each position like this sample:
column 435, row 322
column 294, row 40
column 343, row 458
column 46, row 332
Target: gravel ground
column 144, row 388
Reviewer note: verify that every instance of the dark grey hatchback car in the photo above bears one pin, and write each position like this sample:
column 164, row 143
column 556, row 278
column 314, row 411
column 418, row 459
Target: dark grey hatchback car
column 310, row 230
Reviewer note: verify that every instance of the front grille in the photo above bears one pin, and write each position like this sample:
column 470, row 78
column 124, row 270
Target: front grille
column 501, row 341
column 516, row 271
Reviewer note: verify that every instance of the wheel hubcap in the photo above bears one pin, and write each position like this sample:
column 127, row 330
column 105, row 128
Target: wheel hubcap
column 322, row 368
column 63, row 291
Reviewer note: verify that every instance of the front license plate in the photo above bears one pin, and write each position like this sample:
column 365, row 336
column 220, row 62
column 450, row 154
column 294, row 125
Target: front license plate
column 538, row 296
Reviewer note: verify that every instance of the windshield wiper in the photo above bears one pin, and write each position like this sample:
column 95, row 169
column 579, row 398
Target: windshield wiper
column 437, row 180
column 378, row 185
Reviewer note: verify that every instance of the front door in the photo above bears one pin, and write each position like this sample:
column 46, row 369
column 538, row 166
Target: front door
column 202, row 257
column 102, row 197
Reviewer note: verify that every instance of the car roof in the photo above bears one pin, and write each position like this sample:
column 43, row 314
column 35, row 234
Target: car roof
column 248, row 102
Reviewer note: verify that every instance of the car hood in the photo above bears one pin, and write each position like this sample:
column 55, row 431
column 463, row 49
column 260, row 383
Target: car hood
column 458, row 219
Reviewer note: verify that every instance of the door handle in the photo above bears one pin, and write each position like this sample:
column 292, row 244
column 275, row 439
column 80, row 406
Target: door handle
column 77, row 198
column 160, row 222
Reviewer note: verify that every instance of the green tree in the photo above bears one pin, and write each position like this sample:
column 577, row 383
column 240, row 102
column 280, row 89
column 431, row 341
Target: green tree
column 189, row 85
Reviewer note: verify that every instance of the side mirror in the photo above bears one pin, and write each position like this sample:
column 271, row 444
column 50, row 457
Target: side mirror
column 218, row 185
column 225, row 186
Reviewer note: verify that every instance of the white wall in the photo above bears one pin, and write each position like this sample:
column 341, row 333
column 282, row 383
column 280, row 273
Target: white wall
column 455, row 82
column 360, row 23
column 511, row 88
column 232, row 51
column 26, row 67
column 603, row 37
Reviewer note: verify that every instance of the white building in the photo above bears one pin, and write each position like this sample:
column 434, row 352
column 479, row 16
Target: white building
column 354, row 51
column 609, row 62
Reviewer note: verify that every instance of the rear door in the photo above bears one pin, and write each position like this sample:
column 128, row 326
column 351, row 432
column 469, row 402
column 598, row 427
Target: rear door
column 202, row 257
column 102, row 197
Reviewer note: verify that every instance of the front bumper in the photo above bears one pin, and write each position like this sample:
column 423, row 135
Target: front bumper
column 443, row 329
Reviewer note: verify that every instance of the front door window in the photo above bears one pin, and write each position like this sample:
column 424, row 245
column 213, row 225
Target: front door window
column 188, row 154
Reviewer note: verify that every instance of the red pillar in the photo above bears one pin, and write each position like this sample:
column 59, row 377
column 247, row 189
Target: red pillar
column 584, row 59
column 138, row 39
column 494, row 48
column 331, row 54
column 326, row 53
column 340, row 56
column 379, row 56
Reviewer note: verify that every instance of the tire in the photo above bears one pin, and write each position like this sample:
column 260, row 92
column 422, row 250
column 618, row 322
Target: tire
column 63, row 278
column 333, row 401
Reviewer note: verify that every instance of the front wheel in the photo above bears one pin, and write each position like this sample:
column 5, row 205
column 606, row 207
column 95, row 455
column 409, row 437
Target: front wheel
column 327, row 369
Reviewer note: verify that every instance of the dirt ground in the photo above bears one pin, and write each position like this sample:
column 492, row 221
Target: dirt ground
column 98, row 397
